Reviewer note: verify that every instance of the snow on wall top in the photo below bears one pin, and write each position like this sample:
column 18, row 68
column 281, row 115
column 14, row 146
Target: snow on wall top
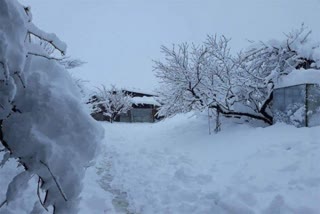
column 139, row 90
column 298, row 77
column 145, row 100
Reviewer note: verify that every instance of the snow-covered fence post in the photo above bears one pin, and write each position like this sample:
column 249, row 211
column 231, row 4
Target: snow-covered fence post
column 218, row 122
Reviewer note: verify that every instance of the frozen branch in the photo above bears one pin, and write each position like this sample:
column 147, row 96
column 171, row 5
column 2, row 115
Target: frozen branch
column 44, row 56
column 52, row 39
column 55, row 180
column 38, row 193
column 3, row 203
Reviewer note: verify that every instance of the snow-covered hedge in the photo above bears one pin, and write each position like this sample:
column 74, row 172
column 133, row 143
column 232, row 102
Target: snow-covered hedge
column 43, row 125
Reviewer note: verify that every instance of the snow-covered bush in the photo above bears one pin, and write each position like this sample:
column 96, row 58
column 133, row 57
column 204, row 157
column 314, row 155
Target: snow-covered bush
column 261, row 65
column 42, row 124
column 110, row 102
column 209, row 76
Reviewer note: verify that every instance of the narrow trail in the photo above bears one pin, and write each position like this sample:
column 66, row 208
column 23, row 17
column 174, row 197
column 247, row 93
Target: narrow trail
column 119, row 201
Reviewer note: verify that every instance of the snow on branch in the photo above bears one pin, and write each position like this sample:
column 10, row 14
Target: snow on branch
column 51, row 38
column 55, row 181
column 42, row 48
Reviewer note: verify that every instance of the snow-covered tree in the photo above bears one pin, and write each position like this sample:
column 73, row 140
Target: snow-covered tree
column 178, row 75
column 110, row 102
column 42, row 124
column 197, row 78
column 209, row 76
column 264, row 62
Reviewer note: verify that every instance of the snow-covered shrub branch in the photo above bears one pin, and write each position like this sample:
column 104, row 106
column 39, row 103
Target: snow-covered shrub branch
column 209, row 76
column 52, row 51
column 110, row 102
column 42, row 124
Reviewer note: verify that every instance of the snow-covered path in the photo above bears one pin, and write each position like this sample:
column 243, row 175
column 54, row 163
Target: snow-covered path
column 175, row 167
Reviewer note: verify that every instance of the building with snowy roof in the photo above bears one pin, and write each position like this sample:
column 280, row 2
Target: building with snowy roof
column 144, row 108
column 296, row 98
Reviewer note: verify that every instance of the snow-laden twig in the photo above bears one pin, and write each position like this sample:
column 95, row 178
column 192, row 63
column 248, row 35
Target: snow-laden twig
column 3, row 203
column 38, row 193
column 55, row 180
column 52, row 39
column 44, row 56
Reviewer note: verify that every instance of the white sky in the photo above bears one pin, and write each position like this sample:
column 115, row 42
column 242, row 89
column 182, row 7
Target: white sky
column 120, row 38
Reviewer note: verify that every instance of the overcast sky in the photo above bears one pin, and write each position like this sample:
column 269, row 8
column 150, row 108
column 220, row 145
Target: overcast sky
column 120, row 38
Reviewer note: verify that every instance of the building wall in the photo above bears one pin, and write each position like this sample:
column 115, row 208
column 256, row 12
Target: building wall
column 289, row 105
column 138, row 115
column 125, row 117
column 297, row 105
column 313, row 105
column 142, row 115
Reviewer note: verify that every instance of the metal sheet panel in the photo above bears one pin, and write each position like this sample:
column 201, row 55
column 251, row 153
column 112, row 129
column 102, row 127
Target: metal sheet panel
column 313, row 105
column 142, row 115
column 289, row 105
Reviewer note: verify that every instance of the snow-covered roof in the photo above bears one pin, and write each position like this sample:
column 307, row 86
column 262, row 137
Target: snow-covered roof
column 138, row 90
column 145, row 100
column 298, row 77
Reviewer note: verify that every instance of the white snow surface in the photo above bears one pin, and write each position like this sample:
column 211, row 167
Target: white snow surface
column 145, row 100
column 175, row 166
column 298, row 77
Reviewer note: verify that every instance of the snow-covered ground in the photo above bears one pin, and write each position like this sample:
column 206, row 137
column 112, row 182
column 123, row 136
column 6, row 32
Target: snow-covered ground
column 175, row 166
